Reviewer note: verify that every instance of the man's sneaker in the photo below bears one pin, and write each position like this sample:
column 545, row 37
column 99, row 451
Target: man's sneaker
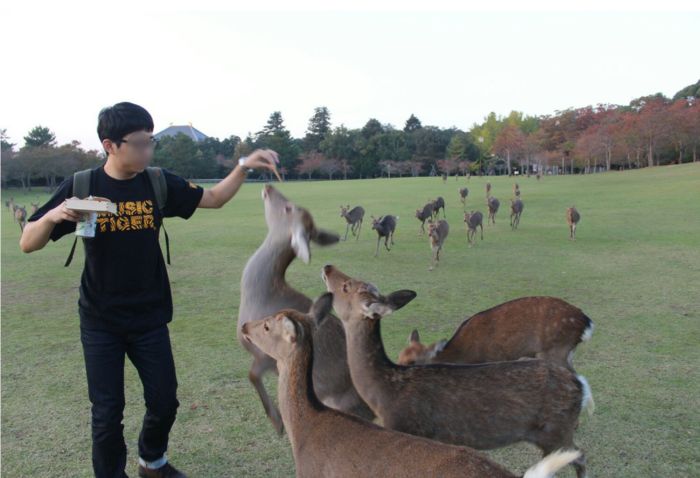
column 165, row 471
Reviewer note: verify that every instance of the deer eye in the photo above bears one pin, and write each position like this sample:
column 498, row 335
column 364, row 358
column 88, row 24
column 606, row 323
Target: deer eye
column 266, row 327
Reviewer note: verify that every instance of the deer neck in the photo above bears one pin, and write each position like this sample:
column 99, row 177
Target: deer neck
column 370, row 368
column 265, row 271
column 299, row 404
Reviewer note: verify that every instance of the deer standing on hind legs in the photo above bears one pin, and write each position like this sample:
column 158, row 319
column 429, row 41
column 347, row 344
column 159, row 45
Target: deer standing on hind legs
column 329, row 443
column 354, row 218
column 264, row 291
column 572, row 218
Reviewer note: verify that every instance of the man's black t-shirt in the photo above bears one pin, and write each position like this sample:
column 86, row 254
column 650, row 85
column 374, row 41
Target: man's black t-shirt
column 124, row 286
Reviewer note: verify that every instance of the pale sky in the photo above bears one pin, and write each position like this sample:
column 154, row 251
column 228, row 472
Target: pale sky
column 226, row 71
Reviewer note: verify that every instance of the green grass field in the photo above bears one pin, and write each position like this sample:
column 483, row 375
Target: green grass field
column 635, row 270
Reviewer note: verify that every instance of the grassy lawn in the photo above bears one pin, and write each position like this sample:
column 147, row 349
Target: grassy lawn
column 635, row 270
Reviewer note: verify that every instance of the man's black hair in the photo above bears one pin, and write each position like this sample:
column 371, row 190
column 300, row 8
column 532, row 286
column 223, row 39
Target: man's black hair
column 115, row 122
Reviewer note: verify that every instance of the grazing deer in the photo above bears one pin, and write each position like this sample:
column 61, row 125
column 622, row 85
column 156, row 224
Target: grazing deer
column 330, row 443
column 516, row 209
column 20, row 216
column 354, row 218
column 437, row 233
column 438, row 204
column 473, row 220
column 34, row 208
column 572, row 218
column 385, row 227
column 482, row 406
column 493, row 205
column 423, row 215
column 463, row 193
column 264, row 291
column 539, row 327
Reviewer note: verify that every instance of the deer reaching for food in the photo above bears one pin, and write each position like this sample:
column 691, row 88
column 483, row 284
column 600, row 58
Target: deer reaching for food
column 264, row 291
column 385, row 227
column 437, row 233
column 354, row 218
column 516, row 209
column 540, row 327
column 424, row 215
column 493, row 205
column 330, row 443
column 473, row 220
column 572, row 218
column 483, row 406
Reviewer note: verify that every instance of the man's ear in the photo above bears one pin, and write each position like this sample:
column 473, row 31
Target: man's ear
column 290, row 330
column 398, row 299
column 414, row 337
column 321, row 308
column 300, row 243
column 325, row 238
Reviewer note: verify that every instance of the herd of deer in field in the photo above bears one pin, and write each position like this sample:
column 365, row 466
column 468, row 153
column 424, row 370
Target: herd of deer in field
column 19, row 213
column 505, row 376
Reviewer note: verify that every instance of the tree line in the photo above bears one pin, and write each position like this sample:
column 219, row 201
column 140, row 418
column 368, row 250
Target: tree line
column 649, row 131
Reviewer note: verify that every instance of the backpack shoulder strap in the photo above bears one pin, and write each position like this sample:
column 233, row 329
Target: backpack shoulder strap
column 81, row 189
column 160, row 188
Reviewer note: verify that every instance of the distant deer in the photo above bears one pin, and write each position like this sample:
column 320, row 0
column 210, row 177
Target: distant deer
column 10, row 205
column 444, row 177
column 473, row 220
column 34, row 208
column 424, row 214
column 438, row 204
column 493, row 205
column 385, row 227
column 516, row 190
column 516, row 209
column 354, row 218
column 330, row 443
column 540, row 327
column 463, row 193
column 488, row 190
column 483, row 406
column 21, row 216
column 437, row 232
column 572, row 218
column 264, row 291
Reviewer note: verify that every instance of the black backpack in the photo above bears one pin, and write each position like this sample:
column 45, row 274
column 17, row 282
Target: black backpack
column 81, row 190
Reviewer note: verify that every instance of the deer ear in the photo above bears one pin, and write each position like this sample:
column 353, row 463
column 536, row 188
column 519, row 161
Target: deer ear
column 300, row 243
column 321, row 308
column 325, row 238
column 398, row 299
column 290, row 330
column 414, row 337
column 376, row 310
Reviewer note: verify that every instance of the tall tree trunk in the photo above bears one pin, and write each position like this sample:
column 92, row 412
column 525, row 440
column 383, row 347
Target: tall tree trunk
column 651, row 155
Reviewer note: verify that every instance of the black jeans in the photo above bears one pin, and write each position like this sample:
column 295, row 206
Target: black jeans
column 151, row 354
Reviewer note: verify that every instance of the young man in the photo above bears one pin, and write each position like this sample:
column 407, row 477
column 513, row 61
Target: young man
column 125, row 300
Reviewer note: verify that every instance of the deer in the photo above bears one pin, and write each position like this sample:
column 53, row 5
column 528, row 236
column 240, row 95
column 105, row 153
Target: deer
column 493, row 205
column 488, row 190
column 438, row 204
column 473, row 220
column 330, row 443
column 516, row 209
column 34, row 208
column 264, row 291
column 437, row 233
column 385, row 227
column 444, row 178
column 572, row 218
column 10, row 205
column 20, row 216
column 547, row 328
column 516, row 190
column 354, row 218
column 423, row 215
column 482, row 406
column 463, row 193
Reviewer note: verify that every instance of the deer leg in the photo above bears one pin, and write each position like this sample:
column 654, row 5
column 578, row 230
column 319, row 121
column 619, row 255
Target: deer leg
column 482, row 231
column 359, row 227
column 255, row 375
column 376, row 253
column 444, row 214
column 347, row 226
column 386, row 242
